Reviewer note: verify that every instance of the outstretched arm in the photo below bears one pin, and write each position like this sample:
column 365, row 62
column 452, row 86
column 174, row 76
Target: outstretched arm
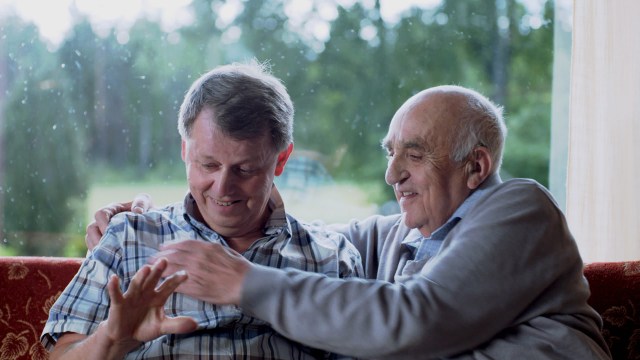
column 134, row 317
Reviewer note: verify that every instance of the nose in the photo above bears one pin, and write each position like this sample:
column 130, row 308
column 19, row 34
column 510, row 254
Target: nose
column 222, row 182
column 396, row 172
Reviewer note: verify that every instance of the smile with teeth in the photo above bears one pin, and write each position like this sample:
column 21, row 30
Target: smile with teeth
column 407, row 193
column 224, row 203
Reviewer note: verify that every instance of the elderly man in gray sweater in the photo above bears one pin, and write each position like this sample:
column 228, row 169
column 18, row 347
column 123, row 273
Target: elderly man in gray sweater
column 473, row 268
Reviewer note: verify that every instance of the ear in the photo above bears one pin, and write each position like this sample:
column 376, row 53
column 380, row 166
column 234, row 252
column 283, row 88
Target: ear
column 183, row 151
column 282, row 159
column 479, row 167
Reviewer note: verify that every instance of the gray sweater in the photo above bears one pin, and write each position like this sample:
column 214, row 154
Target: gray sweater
column 506, row 284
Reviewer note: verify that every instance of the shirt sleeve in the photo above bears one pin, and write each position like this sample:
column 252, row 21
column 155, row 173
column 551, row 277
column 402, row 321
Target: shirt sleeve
column 84, row 303
column 349, row 260
column 511, row 259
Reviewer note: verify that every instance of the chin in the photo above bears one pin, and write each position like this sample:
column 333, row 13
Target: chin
column 408, row 221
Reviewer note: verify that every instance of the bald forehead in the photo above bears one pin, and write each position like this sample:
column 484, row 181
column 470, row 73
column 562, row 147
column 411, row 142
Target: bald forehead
column 429, row 113
column 447, row 120
column 443, row 102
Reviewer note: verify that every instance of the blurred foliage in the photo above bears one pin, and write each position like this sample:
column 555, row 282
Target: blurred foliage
column 97, row 103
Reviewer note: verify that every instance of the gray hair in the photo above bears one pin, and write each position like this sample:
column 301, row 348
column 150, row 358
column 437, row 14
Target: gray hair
column 248, row 103
column 481, row 123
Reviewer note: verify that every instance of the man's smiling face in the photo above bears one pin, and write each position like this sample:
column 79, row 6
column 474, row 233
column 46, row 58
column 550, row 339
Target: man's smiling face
column 229, row 179
column 428, row 184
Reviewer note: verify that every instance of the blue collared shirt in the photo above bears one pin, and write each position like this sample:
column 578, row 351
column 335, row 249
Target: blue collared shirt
column 223, row 331
column 428, row 247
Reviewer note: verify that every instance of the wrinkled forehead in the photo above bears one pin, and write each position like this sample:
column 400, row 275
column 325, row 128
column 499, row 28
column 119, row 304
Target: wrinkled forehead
column 422, row 119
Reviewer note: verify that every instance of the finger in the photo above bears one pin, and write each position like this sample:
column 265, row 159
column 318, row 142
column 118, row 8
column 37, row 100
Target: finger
column 178, row 325
column 170, row 284
column 141, row 203
column 103, row 215
column 93, row 235
column 163, row 254
column 151, row 281
column 186, row 246
column 138, row 280
column 113, row 288
column 174, row 267
column 175, row 260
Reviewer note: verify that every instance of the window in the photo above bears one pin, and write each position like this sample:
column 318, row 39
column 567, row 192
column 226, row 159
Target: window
column 88, row 111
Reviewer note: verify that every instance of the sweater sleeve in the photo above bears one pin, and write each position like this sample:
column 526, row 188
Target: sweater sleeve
column 509, row 260
column 369, row 236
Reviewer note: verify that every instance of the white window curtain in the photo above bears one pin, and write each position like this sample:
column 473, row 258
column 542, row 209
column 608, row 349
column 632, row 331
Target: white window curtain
column 603, row 167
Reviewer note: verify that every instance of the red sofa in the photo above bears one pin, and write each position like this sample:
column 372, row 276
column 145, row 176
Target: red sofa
column 30, row 285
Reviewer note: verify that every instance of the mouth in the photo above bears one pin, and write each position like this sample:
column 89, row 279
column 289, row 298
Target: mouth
column 406, row 193
column 225, row 203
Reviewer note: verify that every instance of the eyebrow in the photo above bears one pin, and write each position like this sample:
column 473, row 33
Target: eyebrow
column 411, row 144
column 385, row 143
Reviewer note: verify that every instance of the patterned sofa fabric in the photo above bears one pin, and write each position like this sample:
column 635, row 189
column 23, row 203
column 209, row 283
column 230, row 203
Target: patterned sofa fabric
column 615, row 294
column 28, row 288
column 30, row 285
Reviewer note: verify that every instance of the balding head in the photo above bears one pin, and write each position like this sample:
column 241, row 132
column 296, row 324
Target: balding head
column 463, row 119
column 442, row 144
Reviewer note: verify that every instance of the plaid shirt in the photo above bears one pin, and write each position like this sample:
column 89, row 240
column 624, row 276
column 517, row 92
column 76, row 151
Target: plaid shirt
column 224, row 332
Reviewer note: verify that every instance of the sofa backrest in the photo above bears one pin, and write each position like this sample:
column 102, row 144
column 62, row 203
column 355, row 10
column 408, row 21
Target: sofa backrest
column 30, row 285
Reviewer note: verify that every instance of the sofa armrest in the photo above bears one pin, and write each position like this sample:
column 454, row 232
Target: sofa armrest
column 615, row 294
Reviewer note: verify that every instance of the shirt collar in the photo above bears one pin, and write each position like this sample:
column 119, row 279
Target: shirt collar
column 441, row 232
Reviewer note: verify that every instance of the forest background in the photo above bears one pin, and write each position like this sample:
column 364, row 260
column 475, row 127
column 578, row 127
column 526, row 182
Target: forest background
column 93, row 120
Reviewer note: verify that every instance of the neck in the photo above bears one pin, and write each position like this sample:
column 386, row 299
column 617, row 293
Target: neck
column 240, row 240
column 243, row 242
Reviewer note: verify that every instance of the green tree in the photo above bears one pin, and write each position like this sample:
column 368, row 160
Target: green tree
column 45, row 176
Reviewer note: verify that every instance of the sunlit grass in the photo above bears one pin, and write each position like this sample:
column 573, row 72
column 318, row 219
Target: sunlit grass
column 7, row 251
column 332, row 203
column 329, row 203
column 101, row 195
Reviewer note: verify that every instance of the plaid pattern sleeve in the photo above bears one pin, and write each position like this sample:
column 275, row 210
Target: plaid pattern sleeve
column 223, row 331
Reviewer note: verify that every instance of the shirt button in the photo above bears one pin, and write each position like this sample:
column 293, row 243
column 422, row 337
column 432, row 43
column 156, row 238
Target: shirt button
column 239, row 331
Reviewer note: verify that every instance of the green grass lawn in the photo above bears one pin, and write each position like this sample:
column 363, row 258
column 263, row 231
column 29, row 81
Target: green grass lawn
column 101, row 195
column 329, row 203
